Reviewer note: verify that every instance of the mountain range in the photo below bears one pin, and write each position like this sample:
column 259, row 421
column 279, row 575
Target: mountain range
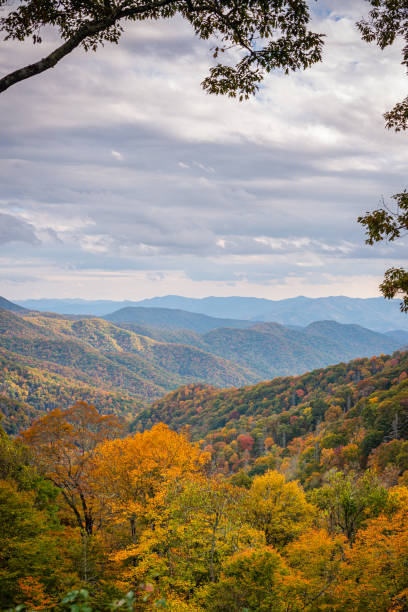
column 266, row 349
column 375, row 313
column 121, row 365
column 170, row 319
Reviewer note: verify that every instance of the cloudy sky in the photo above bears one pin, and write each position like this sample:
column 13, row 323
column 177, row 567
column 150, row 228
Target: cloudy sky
column 122, row 179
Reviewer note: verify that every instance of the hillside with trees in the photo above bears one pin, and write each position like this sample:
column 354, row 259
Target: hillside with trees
column 51, row 360
column 266, row 349
column 94, row 519
column 346, row 416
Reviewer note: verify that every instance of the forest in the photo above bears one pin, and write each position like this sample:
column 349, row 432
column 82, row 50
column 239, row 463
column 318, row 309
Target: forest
column 146, row 469
column 288, row 495
column 341, row 417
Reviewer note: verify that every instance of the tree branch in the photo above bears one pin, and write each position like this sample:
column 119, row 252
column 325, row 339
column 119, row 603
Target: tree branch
column 53, row 58
column 88, row 29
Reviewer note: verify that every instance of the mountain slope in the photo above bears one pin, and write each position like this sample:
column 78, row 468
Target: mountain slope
column 274, row 350
column 270, row 349
column 346, row 416
column 170, row 319
column 178, row 336
column 352, row 338
column 30, row 387
column 7, row 305
column 101, row 354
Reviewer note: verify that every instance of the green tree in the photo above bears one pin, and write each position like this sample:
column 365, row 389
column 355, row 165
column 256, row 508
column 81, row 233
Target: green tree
column 349, row 500
column 387, row 224
column 269, row 35
column 250, row 581
column 27, row 547
column 388, row 21
column 35, row 560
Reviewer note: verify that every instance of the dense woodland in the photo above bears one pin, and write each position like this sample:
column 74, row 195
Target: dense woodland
column 344, row 417
column 288, row 495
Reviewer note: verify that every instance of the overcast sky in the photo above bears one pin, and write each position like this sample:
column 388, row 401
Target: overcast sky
column 122, row 179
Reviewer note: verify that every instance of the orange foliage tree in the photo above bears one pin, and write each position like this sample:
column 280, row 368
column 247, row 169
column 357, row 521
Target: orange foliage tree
column 131, row 475
column 375, row 576
column 63, row 444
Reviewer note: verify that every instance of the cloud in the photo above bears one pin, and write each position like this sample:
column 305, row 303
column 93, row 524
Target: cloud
column 117, row 155
column 13, row 229
column 210, row 195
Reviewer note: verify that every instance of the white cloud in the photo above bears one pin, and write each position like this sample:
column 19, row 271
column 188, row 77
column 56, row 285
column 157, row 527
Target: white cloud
column 117, row 155
column 273, row 189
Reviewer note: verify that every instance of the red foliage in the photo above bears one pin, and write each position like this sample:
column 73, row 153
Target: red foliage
column 245, row 442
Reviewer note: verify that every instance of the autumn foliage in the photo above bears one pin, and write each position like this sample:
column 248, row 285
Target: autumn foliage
column 89, row 510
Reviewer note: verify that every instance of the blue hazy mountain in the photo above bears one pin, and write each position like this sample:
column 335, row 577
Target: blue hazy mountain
column 173, row 318
column 75, row 306
column 375, row 313
column 400, row 335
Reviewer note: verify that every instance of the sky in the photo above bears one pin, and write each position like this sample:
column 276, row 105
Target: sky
column 122, row 179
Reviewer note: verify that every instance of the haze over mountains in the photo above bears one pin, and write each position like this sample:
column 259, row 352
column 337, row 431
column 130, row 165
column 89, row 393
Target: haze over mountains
column 168, row 318
column 375, row 313
column 137, row 354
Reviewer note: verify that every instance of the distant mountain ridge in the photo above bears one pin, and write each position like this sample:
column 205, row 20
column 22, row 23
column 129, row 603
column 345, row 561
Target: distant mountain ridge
column 172, row 318
column 375, row 313
column 267, row 349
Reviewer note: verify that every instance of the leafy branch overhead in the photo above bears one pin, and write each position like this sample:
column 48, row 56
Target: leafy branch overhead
column 387, row 224
column 388, row 20
column 269, row 35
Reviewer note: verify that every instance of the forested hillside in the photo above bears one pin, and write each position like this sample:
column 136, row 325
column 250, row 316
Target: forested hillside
column 7, row 305
column 346, row 416
column 266, row 349
column 30, row 387
column 272, row 350
column 50, row 361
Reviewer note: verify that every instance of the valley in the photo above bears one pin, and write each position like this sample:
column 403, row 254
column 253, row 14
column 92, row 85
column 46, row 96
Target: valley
column 135, row 355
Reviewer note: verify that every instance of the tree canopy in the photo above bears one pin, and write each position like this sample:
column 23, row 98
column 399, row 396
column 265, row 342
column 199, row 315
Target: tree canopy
column 268, row 35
